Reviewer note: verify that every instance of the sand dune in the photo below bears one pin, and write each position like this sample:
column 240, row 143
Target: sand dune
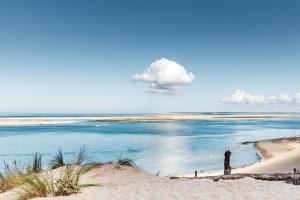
column 127, row 183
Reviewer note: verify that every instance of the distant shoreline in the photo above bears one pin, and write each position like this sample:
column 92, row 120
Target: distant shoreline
column 19, row 121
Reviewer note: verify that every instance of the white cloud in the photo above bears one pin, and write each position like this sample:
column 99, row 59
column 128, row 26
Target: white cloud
column 242, row 97
column 165, row 76
column 297, row 98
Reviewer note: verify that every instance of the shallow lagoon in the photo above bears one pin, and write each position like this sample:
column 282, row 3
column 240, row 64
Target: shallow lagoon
column 172, row 148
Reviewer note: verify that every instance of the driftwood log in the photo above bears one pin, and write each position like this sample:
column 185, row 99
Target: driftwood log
column 292, row 178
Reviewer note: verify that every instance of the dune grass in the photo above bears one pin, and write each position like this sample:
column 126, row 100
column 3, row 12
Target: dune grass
column 125, row 161
column 58, row 160
column 11, row 176
column 31, row 181
column 15, row 173
column 36, row 165
column 82, row 156
column 68, row 182
column 36, row 185
column 43, row 185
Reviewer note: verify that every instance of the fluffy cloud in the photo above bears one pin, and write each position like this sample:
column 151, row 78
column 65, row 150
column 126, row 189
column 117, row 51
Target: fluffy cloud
column 242, row 97
column 165, row 76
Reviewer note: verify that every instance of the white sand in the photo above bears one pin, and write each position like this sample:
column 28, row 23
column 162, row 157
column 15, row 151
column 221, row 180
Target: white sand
column 178, row 117
column 16, row 121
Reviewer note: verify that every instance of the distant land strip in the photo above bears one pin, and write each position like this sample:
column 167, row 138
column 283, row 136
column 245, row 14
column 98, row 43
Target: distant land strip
column 18, row 121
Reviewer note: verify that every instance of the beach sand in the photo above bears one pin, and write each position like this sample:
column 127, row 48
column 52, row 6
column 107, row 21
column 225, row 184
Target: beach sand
column 129, row 183
column 26, row 121
column 183, row 117
column 20, row 121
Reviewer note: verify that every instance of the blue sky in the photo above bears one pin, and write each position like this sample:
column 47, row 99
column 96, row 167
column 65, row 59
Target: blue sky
column 80, row 56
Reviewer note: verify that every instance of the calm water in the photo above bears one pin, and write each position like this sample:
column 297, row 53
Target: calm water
column 172, row 148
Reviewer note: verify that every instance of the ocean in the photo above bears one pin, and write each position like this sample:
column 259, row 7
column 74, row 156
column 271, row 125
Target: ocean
column 170, row 148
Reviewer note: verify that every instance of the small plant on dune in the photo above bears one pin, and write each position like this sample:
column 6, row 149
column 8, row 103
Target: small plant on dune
column 81, row 156
column 157, row 173
column 68, row 182
column 36, row 185
column 11, row 176
column 58, row 160
column 125, row 162
column 37, row 163
column 36, row 166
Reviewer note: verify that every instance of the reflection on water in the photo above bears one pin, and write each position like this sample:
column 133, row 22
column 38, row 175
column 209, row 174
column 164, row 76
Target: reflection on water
column 171, row 148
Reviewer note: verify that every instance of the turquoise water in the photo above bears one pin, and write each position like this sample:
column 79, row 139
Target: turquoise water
column 172, row 148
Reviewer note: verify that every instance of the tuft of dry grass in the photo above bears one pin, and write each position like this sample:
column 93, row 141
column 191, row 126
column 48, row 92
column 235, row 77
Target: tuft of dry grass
column 12, row 176
column 31, row 183
column 36, row 185
column 43, row 185
column 68, row 182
